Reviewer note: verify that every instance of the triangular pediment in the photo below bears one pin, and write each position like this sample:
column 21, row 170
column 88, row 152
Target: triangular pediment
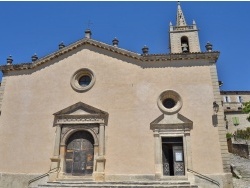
column 80, row 113
column 80, row 109
column 174, row 121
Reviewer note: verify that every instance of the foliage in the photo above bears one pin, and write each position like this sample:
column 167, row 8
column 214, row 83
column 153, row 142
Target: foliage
column 243, row 134
column 229, row 135
column 246, row 109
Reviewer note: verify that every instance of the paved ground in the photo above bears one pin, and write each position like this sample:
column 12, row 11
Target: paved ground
column 243, row 167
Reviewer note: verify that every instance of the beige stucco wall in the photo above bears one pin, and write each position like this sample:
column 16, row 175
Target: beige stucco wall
column 243, row 122
column 127, row 91
column 235, row 110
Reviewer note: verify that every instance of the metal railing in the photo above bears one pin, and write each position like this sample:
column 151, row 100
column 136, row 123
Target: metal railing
column 204, row 177
column 182, row 28
column 53, row 170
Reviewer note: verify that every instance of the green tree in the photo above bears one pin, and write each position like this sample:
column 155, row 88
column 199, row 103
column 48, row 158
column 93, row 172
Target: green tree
column 246, row 109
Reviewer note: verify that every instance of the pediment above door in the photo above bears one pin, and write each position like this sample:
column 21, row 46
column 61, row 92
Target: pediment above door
column 80, row 113
column 172, row 122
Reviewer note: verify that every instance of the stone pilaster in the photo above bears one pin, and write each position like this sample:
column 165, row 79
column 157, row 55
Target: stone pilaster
column 3, row 83
column 100, row 161
column 158, row 163
column 220, row 115
column 55, row 160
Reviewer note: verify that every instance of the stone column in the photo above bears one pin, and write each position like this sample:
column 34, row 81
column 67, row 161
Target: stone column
column 158, row 167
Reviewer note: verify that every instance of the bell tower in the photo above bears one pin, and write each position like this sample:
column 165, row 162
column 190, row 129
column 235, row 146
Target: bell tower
column 183, row 38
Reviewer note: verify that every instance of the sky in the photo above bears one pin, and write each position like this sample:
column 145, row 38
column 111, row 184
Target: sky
column 27, row 28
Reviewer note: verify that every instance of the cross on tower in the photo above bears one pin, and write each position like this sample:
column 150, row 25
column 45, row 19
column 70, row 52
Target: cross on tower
column 89, row 24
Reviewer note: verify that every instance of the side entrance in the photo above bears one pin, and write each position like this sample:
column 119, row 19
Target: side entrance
column 173, row 156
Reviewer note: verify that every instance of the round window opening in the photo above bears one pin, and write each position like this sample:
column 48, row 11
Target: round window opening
column 82, row 80
column 169, row 103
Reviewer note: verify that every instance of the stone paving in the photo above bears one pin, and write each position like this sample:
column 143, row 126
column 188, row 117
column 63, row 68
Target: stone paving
column 243, row 167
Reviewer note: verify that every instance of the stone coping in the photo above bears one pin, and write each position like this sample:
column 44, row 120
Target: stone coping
column 213, row 56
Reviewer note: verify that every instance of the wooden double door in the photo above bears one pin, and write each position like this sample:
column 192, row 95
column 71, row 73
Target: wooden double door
column 80, row 154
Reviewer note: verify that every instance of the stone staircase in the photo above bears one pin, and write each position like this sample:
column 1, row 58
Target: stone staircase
column 245, row 174
column 244, row 168
column 132, row 184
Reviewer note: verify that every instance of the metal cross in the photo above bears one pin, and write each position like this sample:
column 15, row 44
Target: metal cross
column 89, row 23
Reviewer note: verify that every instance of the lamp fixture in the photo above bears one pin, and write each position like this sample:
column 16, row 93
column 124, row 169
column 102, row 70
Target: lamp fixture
column 215, row 107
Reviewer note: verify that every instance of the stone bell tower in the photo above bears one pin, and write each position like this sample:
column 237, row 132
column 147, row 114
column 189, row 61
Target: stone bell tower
column 183, row 38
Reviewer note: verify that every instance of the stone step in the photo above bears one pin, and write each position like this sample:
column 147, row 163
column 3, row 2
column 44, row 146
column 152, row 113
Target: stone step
column 92, row 184
column 69, row 181
column 115, row 186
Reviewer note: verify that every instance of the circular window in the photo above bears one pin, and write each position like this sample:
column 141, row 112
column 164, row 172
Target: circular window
column 169, row 102
column 82, row 80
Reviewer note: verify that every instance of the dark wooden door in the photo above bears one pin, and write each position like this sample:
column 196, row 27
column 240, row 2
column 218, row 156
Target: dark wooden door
column 80, row 154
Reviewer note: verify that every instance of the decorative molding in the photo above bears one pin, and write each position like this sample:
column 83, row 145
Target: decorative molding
column 67, row 131
column 78, row 120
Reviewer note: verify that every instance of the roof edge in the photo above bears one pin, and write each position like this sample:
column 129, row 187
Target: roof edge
column 212, row 56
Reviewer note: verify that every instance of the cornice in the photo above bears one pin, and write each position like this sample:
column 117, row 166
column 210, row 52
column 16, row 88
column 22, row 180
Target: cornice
column 234, row 92
column 211, row 56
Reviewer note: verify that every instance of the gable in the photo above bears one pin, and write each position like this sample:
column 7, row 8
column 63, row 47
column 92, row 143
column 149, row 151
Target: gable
column 211, row 56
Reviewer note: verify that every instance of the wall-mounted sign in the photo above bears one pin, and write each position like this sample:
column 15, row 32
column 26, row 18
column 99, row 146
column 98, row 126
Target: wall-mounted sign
column 178, row 156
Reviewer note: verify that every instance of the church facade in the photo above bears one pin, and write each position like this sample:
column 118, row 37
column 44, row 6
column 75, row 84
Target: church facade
column 95, row 112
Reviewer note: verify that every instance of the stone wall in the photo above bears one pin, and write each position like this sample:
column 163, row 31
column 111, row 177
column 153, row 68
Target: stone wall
column 240, row 149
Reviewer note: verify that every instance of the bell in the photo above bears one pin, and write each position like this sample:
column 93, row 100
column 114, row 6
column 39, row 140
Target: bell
column 184, row 47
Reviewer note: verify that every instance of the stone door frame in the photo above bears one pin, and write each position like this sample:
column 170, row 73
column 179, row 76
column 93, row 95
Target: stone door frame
column 167, row 126
column 74, row 150
column 79, row 117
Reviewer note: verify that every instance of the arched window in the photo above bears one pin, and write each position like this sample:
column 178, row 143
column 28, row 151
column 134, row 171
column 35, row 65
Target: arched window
column 184, row 44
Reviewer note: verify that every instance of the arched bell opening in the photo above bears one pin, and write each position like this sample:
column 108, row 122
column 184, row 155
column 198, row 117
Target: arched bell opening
column 184, row 44
column 79, row 154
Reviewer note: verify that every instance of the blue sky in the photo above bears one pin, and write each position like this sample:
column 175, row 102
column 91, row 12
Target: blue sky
column 38, row 27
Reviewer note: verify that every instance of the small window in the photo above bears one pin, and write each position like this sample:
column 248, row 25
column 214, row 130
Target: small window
column 168, row 103
column 239, row 99
column 227, row 99
column 236, row 121
column 84, row 80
